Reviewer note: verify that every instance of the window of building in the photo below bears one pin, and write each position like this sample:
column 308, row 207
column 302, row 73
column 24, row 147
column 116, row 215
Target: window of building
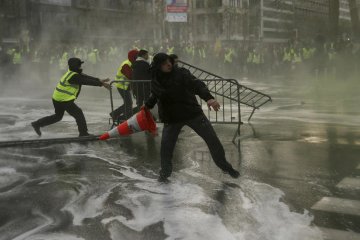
column 214, row 3
column 245, row 4
column 239, row 3
column 232, row 3
column 200, row 3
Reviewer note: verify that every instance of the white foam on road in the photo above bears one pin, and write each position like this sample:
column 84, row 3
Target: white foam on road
column 9, row 176
column 47, row 222
column 252, row 211
column 86, row 207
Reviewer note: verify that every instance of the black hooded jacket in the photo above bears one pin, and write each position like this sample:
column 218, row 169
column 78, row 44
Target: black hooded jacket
column 175, row 94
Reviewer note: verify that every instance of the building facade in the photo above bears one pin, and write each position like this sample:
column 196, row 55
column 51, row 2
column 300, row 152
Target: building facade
column 76, row 20
column 281, row 20
column 207, row 20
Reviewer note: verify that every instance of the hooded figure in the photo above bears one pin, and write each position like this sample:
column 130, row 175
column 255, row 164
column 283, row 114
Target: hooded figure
column 124, row 74
column 174, row 90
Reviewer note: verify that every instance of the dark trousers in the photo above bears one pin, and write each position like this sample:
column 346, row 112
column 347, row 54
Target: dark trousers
column 203, row 128
column 60, row 108
column 126, row 108
column 142, row 92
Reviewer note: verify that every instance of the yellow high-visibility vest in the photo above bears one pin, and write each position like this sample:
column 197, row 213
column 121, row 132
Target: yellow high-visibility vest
column 17, row 58
column 229, row 56
column 124, row 82
column 249, row 58
column 202, row 53
column 257, row 58
column 287, row 57
column 297, row 58
column 190, row 51
column 65, row 91
column 306, row 53
column 170, row 50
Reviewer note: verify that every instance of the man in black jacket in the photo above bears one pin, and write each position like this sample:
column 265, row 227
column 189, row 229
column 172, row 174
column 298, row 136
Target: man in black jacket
column 65, row 93
column 174, row 90
column 141, row 71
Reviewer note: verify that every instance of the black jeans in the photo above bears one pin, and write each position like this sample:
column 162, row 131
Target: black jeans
column 126, row 108
column 60, row 108
column 142, row 92
column 203, row 128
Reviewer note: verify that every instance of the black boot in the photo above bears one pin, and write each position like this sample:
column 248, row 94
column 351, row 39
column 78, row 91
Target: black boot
column 163, row 179
column 36, row 128
column 233, row 173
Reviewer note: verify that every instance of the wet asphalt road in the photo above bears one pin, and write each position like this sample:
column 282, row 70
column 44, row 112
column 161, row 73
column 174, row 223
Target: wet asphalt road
column 292, row 154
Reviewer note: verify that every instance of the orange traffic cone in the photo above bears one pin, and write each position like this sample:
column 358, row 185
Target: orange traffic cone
column 142, row 121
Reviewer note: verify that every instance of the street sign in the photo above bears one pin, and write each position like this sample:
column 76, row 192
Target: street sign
column 176, row 10
column 176, row 17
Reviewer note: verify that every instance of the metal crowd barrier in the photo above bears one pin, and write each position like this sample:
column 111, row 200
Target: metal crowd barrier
column 229, row 92
column 248, row 96
column 225, row 91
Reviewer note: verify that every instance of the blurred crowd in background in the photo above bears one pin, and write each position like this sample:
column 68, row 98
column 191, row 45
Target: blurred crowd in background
column 253, row 60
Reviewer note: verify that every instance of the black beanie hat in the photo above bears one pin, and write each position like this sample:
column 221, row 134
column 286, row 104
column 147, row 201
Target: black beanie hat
column 159, row 59
column 74, row 63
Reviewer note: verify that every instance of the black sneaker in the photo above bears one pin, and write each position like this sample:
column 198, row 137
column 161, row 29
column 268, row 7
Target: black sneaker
column 112, row 116
column 163, row 179
column 36, row 128
column 234, row 173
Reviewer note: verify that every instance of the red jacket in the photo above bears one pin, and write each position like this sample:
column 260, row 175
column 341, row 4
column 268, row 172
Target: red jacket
column 126, row 69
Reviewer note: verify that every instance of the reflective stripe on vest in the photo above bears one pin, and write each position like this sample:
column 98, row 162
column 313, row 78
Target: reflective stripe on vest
column 124, row 84
column 65, row 91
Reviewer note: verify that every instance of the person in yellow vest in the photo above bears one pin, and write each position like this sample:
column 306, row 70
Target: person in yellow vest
column 228, row 57
column 296, row 58
column 17, row 57
column 287, row 59
column 65, row 94
column 170, row 50
column 306, row 53
column 124, row 74
column 190, row 52
column 93, row 56
column 201, row 53
column 249, row 61
column 257, row 61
